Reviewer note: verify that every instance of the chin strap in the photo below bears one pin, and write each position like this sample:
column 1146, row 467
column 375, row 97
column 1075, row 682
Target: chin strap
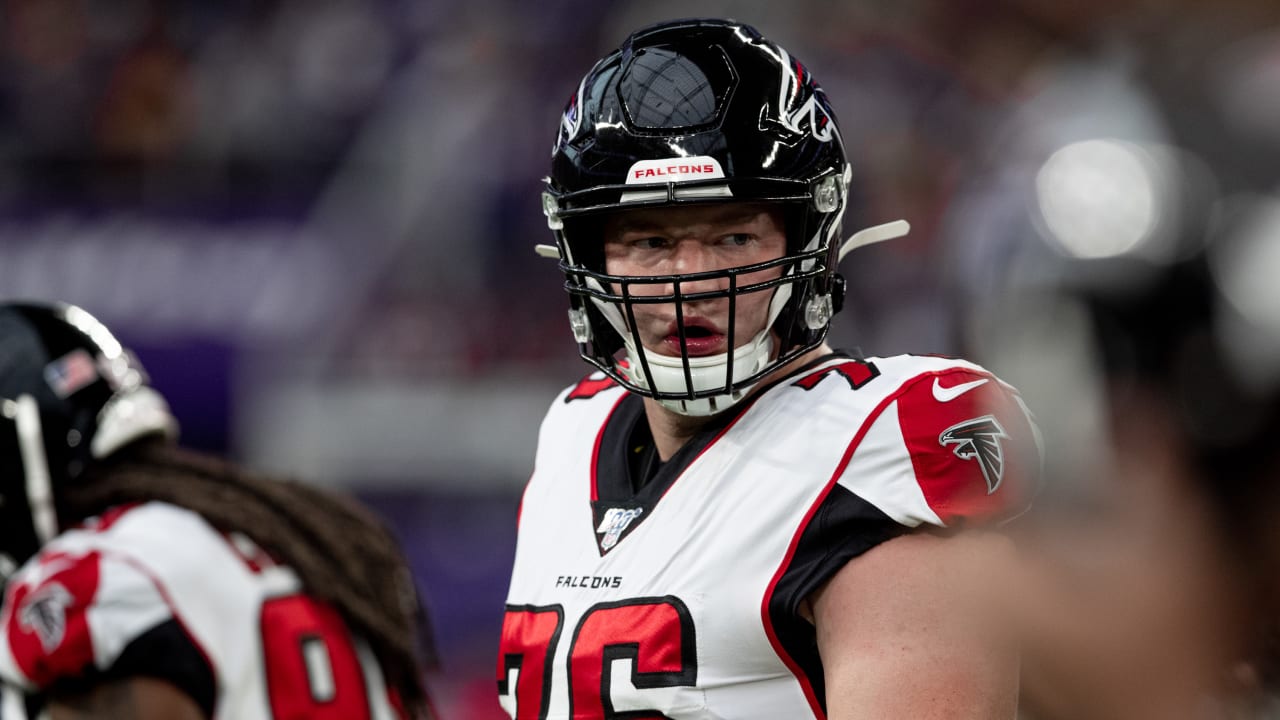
column 872, row 235
column 35, row 466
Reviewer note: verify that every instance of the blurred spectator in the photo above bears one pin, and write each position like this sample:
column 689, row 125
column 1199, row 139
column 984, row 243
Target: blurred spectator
column 1150, row 564
column 142, row 113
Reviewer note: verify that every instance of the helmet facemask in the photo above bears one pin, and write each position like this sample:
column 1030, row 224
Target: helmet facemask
column 802, row 298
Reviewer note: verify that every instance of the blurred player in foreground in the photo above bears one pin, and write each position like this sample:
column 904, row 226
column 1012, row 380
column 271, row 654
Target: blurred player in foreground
column 730, row 519
column 1149, row 582
column 155, row 582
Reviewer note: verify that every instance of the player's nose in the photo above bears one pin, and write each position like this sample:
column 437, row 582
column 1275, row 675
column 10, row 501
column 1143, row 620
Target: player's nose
column 691, row 257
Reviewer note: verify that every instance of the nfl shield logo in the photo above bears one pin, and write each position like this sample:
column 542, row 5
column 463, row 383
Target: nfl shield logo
column 615, row 521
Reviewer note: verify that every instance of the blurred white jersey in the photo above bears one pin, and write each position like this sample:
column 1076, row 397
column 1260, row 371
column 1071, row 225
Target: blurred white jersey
column 681, row 600
column 153, row 590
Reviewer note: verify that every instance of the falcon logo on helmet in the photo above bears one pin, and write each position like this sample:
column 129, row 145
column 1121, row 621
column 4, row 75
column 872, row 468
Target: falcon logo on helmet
column 812, row 113
column 570, row 121
column 979, row 439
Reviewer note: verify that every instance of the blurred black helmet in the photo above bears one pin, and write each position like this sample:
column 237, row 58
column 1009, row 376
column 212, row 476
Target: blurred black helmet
column 690, row 112
column 70, row 395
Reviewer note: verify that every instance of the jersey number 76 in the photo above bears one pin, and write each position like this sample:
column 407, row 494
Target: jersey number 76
column 656, row 634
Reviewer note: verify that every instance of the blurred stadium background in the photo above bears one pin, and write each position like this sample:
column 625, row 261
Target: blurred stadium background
column 314, row 220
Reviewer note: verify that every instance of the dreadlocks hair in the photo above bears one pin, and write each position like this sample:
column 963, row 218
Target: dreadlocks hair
column 342, row 553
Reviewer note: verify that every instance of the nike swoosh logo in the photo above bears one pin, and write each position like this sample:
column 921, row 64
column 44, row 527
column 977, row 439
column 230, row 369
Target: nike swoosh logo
column 947, row 394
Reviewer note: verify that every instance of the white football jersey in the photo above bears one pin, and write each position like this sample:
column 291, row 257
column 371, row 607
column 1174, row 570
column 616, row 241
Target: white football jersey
column 153, row 590
column 681, row 600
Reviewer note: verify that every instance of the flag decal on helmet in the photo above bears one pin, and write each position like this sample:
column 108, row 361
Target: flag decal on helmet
column 70, row 373
column 810, row 116
column 979, row 439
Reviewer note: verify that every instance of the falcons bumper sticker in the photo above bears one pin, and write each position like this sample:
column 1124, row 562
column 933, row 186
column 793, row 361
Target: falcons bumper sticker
column 979, row 439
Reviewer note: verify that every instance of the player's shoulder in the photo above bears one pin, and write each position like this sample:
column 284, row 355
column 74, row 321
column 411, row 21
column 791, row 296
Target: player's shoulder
column 891, row 374
column 964, row 436
column 128, row 573
column 594, row 387
column 576, row 416
column 588, row 401
column 903, row 371
column 944, row 387
column 877, row 380
column 134, row 528
column 85, row 595
column 170, row 546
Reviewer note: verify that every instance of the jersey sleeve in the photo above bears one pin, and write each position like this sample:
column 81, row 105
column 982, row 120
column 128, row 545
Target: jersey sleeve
column 70, row 621
column 951, row 448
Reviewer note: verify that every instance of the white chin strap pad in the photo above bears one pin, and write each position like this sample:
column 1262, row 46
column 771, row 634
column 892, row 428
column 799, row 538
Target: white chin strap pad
column 706, row 373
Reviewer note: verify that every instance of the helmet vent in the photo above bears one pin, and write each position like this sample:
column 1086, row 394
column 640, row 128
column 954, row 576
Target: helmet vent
column 664, row 90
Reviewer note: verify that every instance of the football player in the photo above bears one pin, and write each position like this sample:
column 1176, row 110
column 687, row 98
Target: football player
column 728, row 518
column 148, row 581
column 1149, row 586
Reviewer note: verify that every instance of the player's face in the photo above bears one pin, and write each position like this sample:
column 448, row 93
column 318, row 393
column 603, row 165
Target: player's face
column 649, row 242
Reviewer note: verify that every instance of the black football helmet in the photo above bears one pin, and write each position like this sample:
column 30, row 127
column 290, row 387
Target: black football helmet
column 685, row 112
column 70, row 395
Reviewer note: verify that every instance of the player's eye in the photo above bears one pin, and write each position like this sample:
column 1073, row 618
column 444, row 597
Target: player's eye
column 738, row 239
column 653, row 242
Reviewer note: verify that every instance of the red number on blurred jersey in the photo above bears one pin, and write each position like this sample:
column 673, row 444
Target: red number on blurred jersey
column 313, row 671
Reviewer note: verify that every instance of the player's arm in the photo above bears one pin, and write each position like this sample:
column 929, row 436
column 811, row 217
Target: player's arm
column 137, row 698
column 912, row 629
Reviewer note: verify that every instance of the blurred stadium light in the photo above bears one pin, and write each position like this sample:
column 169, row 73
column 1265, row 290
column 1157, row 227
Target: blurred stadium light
column 1103, row 198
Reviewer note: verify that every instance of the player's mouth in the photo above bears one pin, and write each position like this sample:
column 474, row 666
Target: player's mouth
column 701, row 338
